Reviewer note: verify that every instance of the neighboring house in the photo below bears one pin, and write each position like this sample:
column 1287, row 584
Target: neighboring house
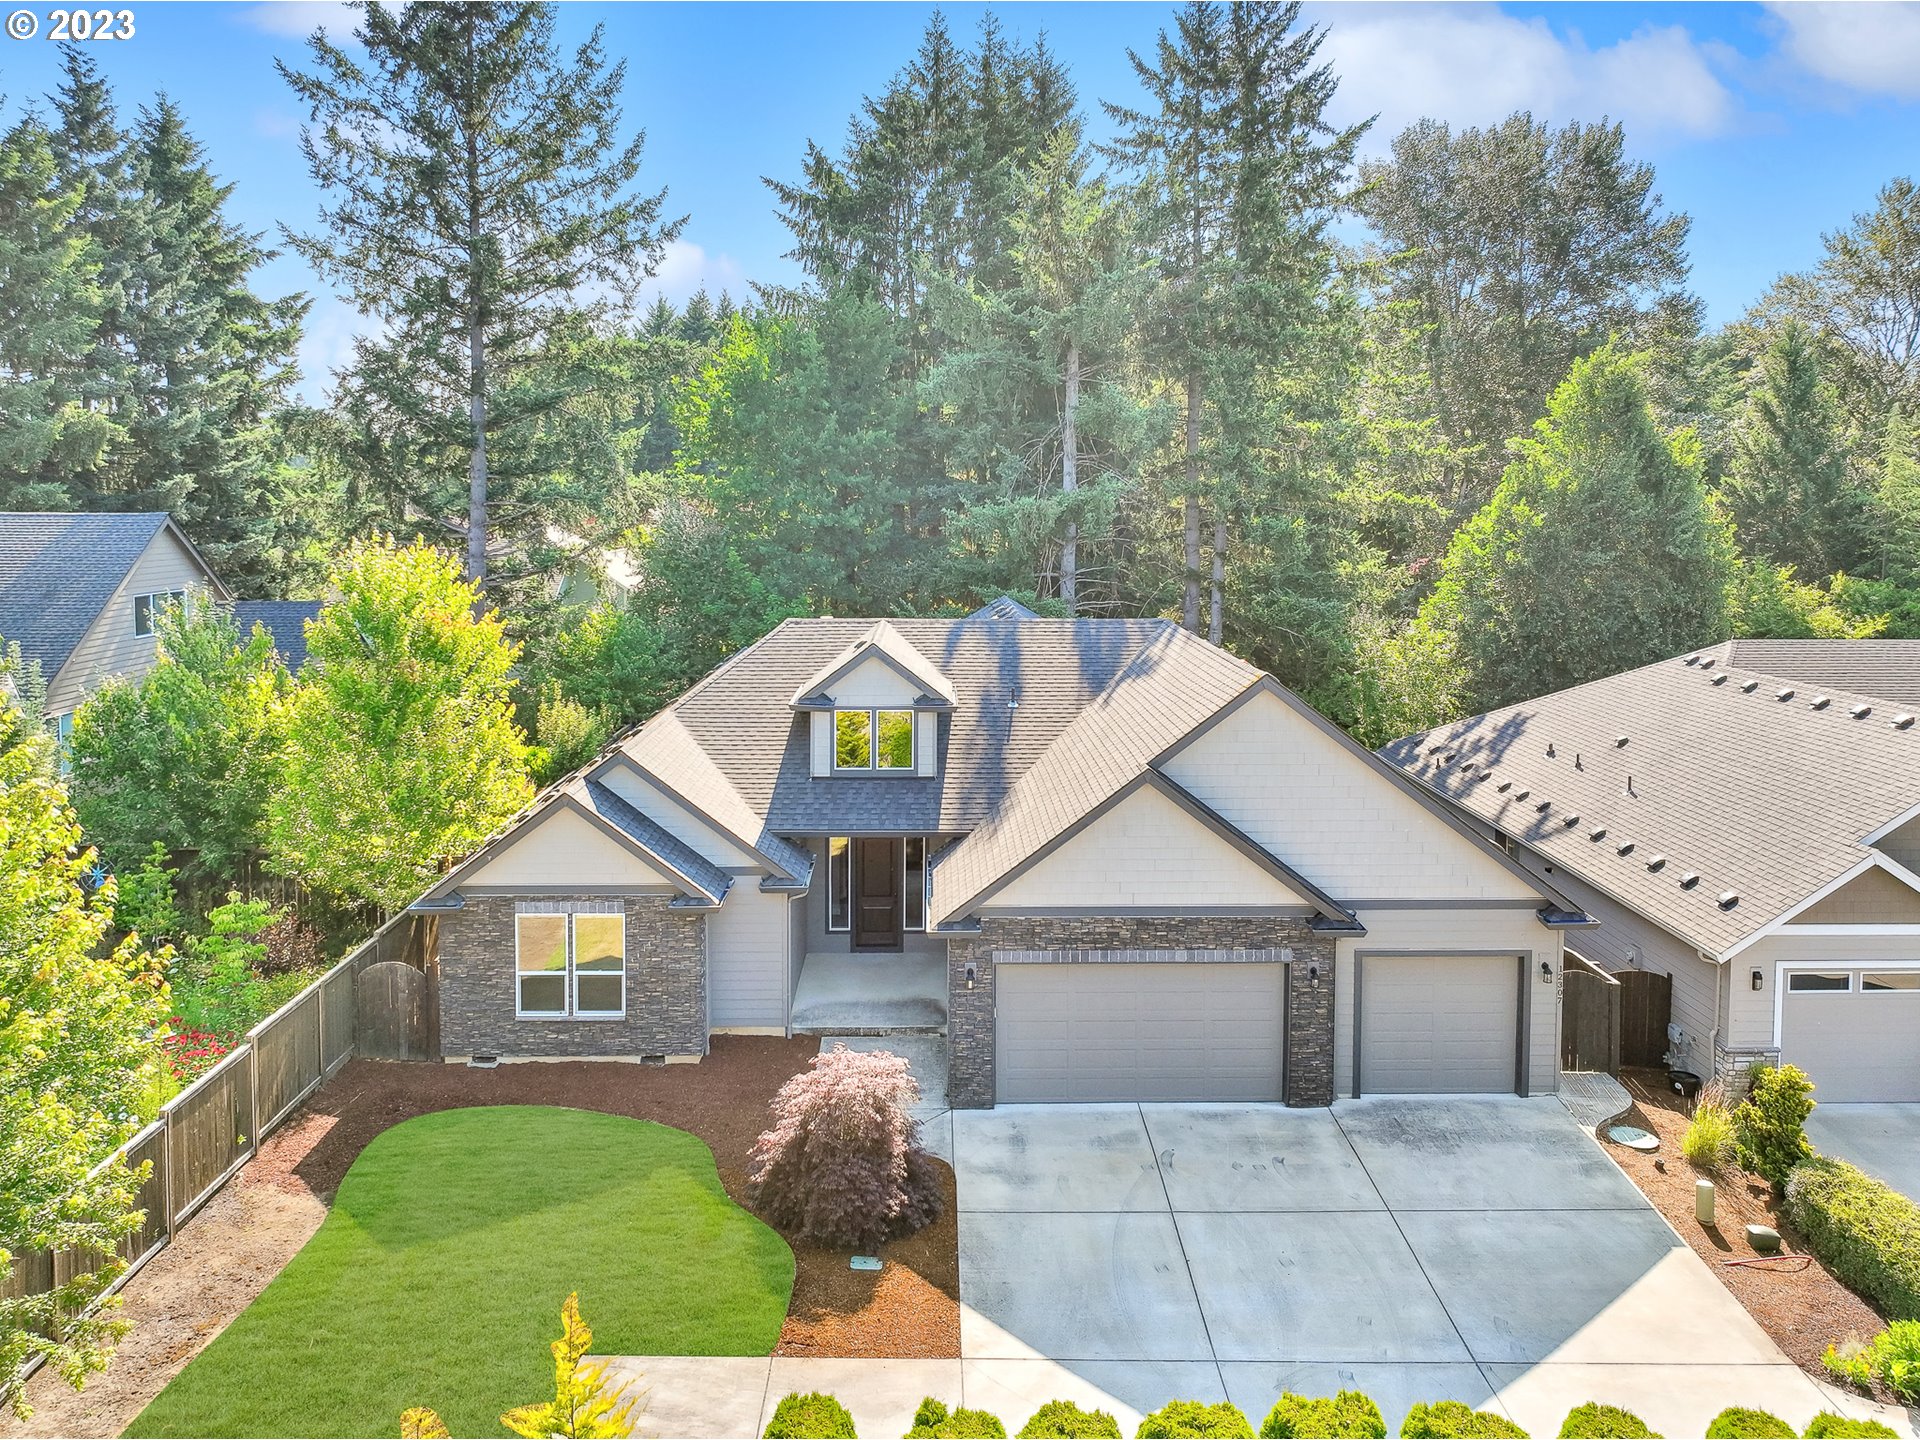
column 1745, row 819
column 78, row 593
column 1110, row 860
column 285, row 620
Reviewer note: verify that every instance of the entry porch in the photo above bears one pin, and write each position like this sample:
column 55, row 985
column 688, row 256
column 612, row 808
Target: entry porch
column 868, row 993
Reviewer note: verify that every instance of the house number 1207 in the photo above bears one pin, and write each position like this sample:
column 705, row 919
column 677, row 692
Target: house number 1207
column 91, row 24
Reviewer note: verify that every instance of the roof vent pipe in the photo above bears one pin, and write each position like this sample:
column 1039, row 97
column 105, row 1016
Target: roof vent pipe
column 1619, row 742
column 1820, row 702
column 1860, row 712
column 1729, row 899
column 1786, row 694
column 1903, row 722
column 1749, row 687
column 1720, row 679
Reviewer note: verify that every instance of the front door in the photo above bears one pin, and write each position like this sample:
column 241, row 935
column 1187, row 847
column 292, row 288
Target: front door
column 876, row 893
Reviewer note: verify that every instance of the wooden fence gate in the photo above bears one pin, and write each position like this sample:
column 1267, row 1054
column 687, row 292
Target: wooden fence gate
column 391, row 1003
column 1646, row 1005
column 1589, row 1020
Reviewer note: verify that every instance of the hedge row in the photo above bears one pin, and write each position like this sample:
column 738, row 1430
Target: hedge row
column 821, row 1417
column 1866, row 1233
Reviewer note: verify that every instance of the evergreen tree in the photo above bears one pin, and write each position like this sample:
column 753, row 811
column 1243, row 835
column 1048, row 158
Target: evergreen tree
column 478, row 189
column 1898, row 523
column 1520, row 249
column 1241, row 173
column 1597, row 552
column 49, row 312
column 1788, row 488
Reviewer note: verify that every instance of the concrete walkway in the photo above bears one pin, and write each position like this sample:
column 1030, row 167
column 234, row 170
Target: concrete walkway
column 1883, row 1140
column 870, row 994
column 1593, row 1098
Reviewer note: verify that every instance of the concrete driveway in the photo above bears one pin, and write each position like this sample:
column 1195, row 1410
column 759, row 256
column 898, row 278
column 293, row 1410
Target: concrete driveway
column 1483, row 1250
column 1883, row 1140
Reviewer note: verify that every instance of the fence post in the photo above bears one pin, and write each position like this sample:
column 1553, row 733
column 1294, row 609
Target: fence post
column 166, row 1156
column 253, row 1093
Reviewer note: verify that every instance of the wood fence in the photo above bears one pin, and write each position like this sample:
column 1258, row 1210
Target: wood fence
column 206, row 1133
column 1589, row 1017
column 1646, row 1006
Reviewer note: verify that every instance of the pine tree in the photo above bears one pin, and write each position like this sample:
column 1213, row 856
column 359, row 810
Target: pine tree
column 478, row 189
column 1241, row 173
column 1898, row 529
column 1788, row 487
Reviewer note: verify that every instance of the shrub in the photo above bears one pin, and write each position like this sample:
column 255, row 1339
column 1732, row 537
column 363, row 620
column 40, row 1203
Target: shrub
column 1594, row 1421
column 1347, row 1414
column 291, row 944
column 1830, row 1426
column 1444, row 1419
column 842, row 1165
column 584, row 1405
column 1867, row 1234
column 1892, row 1357
column 1063, row 1420
column 1738, row 1423
column 810, row 1417
column 144, row 903
column 1192, row 1420
column 1770, row 1124
column 1710, row 1142
column 933, row 1421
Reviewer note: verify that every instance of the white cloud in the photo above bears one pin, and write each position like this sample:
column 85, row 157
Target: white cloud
column 326, row 344
column 297, row 19
column 686, row 267
column 1871, row 48
column 1477, row 64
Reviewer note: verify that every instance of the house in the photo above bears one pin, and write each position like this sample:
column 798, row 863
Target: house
column 78, row 594
column 284, row 620
column 1745, row 819
column 1108, row 860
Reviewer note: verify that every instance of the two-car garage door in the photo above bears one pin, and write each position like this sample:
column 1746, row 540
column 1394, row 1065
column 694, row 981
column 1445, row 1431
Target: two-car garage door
column 1114, row 1030
column 1437, row 1025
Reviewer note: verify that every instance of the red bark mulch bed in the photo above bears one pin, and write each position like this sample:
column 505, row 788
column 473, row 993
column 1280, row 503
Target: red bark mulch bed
column 908, row 1309
column 1802, row 1307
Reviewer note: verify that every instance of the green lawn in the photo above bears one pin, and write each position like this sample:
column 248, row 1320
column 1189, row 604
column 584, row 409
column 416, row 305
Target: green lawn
column 437, row 1278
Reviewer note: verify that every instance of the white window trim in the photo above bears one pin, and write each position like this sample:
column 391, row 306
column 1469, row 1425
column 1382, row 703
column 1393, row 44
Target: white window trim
column 176, row 597
column 569, row 976
column 873, row 765
column 1784, row 968
column 846, row 926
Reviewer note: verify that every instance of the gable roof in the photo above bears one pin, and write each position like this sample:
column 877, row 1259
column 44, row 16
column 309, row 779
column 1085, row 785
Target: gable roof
column 1701, row 768
column 58, row 571
column 890, row 648
column 285, row 621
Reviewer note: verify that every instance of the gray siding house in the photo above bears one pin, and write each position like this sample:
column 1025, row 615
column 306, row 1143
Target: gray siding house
column 1106, row 859
column 1744, row 818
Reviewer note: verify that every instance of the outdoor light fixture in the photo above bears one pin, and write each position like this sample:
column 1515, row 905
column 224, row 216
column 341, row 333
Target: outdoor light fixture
column 1757, row 980
column 1546, row 972
column 1313, row 975
column 973, row 973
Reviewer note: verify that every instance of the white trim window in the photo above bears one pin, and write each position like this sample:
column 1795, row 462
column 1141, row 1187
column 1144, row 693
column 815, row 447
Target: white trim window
column 147, row 607
column 839, row 884
column 913, row 892
column 873, row 740
column 570, row 966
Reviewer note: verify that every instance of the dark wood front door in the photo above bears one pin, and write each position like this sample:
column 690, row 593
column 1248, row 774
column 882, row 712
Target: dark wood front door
column 876, row 894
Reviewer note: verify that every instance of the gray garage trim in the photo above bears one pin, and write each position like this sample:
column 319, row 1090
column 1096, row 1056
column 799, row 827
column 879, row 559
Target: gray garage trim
column 1523, row 1007
column 1148, row 1055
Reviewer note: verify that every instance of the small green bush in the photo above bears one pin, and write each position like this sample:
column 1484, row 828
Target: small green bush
column 1594, row 1421
column 1739, row 1423
column 810, row 1417
column 1830, row 1426
column 1710, row 1143
column 1192, row 1420
column 1063, row 1420
column 1347, row 1414
column 1892, row 1357
column 933, row 1421
column 1770, row 1125
column 1866, row 1233
column 1448, row 1419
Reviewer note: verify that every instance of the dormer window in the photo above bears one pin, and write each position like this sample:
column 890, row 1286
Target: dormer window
column 873, row 740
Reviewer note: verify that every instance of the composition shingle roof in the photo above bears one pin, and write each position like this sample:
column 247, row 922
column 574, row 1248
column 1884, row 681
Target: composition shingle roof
column 57, row 573
column 285, row 621
column 1750, row 784
column 1887, row 668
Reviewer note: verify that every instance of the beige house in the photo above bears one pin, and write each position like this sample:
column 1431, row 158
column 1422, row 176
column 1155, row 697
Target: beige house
column 78, row 594
column 1103, row 858
column 1745, row 819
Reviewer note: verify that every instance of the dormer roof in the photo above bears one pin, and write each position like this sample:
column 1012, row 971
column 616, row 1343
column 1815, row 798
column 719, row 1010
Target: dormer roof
column 887, row 645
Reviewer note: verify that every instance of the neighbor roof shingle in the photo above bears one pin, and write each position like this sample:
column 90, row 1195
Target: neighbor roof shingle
column 1887, row 668
column 57, row 573
column 1763, row 796
column 285, row 621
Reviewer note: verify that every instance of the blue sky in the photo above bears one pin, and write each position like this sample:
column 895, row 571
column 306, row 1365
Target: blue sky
column 1767, row 124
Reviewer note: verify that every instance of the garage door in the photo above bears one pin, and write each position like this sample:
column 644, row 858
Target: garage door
column 1116, row 1031
column 1855, row 1032
column 1438, row 1024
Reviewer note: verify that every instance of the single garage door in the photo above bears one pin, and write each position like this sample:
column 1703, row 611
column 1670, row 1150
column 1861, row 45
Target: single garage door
column 1855, row 1032
column 1096, row 1030
column 1438, row 1024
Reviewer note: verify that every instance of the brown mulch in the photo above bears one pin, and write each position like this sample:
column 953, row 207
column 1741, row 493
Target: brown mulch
column 225, row 1255
column 1797, row 1302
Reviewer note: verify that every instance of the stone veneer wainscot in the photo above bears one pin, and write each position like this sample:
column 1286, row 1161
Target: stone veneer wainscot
column 970, row 1013
column 666, row 984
